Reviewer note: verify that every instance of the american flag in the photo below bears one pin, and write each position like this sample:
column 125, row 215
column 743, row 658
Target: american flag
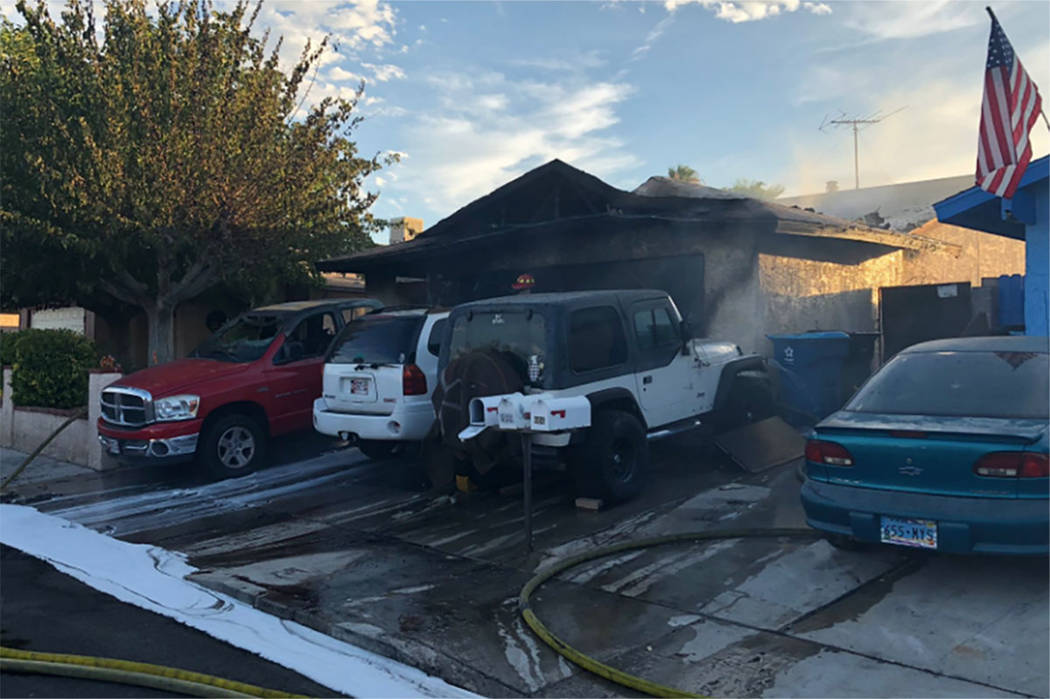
column 1011, row 106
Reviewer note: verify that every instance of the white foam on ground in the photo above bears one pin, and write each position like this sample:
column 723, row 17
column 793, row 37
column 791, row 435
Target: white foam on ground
column 155, row 579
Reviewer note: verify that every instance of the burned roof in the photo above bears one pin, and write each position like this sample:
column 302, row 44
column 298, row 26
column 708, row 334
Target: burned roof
column 557, row 198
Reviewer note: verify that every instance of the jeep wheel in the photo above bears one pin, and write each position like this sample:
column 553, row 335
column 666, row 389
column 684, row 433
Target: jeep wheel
column 234, row 445
column 613, row 461
column 376, row 450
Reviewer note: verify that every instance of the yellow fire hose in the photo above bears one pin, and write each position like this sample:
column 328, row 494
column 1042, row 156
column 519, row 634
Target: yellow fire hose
column 169, row 679
column 601, row 669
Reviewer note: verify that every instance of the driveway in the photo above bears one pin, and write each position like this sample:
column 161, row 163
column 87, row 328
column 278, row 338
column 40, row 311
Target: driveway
column 361, row 551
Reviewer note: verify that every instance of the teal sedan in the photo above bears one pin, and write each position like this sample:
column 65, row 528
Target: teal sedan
column 944, row 448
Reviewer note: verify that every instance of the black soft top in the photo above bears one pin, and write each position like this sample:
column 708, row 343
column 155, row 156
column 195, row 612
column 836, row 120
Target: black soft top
column 564, row 299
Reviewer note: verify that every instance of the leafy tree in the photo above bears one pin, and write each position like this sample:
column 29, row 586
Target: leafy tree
column 757, row 189
column 684, row 173
column 150, row 161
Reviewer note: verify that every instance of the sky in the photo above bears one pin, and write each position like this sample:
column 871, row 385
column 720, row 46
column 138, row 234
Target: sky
column 474, row 94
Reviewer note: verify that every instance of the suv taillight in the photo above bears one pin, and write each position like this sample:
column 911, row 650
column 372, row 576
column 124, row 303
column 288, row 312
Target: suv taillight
column 413, row 381
column 828, row 453
column 1013, row 464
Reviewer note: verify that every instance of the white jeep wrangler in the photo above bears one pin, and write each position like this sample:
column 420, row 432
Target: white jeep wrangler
column 628, row 352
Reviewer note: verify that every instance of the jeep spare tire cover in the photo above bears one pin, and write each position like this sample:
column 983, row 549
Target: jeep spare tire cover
column 474, row 375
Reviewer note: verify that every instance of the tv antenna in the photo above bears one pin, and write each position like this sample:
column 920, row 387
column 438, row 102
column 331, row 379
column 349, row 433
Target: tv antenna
column 857, row 125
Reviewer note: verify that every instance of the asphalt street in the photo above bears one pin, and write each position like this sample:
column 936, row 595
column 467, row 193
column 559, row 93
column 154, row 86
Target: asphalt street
column 44, row 610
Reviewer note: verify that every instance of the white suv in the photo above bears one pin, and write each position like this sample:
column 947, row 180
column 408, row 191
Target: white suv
column 378, row 378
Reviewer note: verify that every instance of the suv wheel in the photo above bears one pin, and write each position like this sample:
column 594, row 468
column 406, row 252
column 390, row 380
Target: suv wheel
column 377, row 450
column 613, row 462
column 233, row 446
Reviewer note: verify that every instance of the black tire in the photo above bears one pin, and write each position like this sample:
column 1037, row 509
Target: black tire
column 613, row 461
column 441, row 466
column 378, row 450
column 232, row 446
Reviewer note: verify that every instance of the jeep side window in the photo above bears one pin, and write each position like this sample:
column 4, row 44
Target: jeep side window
column 596, row 339
column 654, row 329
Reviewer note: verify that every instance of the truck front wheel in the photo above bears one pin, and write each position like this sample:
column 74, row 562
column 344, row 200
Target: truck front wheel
column 233, row 445
column 613, row 461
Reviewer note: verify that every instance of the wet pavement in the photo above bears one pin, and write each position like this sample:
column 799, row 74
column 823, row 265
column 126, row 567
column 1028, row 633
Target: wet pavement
column 360, row 550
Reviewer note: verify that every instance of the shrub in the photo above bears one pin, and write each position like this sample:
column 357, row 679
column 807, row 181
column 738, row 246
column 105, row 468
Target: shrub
column 7, row 345
column 51, row 368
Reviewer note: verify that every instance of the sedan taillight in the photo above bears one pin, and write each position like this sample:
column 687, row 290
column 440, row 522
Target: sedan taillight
column 828, row 453
column 1013, row 464
column 413, row 381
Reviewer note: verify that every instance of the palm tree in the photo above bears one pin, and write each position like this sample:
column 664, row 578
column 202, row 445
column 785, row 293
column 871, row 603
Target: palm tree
column 683, row 173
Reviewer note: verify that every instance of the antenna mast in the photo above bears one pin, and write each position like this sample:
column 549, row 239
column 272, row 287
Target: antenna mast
column 856, row 125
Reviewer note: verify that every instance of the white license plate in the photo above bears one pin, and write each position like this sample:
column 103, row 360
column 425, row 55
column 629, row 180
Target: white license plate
column 359, row 387
column 918, row 533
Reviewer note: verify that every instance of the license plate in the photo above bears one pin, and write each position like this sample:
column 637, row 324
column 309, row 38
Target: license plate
column 359, row 386
column 918, row 533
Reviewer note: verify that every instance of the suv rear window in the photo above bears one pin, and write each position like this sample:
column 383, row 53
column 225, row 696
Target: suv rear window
column 970, row 384
column 376, row 339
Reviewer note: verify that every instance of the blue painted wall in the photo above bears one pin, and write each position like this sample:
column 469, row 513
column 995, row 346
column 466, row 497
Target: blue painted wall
column 1037, row 267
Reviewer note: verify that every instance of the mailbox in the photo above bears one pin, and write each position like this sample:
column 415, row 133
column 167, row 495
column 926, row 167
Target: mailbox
column 513, row 412
column 485, row 411
column 552, row 414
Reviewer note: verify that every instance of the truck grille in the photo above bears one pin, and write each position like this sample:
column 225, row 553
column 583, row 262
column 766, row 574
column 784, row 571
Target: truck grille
column 126, row 406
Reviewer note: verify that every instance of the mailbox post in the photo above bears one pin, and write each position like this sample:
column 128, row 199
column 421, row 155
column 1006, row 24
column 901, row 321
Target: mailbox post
column 542, row 416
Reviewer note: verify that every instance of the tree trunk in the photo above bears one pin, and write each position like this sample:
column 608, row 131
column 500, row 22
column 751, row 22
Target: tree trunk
column 161, row 323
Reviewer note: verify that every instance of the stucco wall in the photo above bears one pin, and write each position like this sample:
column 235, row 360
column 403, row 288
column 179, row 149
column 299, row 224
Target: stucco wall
column 979, row 255
column 798, row 295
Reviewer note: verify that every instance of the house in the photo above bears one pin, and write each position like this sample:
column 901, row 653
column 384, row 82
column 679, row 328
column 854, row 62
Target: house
column 901, row 207
column 737, row 267
column 1024, row 218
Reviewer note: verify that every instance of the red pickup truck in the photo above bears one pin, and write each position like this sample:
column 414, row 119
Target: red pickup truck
column 255, row 378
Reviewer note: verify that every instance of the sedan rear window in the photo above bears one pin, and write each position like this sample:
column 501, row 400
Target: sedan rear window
column 960, row 384
column 377, row 339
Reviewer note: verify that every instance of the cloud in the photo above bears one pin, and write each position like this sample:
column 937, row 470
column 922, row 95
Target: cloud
column 339, row 75
column 750, row 10
column 382, row 73
column 487, row 129
column 650, row 39
column 909, row 20
column 567, row 63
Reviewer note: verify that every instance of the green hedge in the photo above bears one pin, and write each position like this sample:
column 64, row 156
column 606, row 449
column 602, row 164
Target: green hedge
column 51, row 368
column 7, row 346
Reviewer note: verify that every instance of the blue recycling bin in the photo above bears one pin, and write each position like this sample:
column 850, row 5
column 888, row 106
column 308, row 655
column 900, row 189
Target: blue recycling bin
column 812, row 365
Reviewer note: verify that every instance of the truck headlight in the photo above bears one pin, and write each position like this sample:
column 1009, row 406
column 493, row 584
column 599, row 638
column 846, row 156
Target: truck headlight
column 176, row 407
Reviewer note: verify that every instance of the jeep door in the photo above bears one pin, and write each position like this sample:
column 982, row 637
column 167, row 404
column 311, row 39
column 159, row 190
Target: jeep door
column 665, row 376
